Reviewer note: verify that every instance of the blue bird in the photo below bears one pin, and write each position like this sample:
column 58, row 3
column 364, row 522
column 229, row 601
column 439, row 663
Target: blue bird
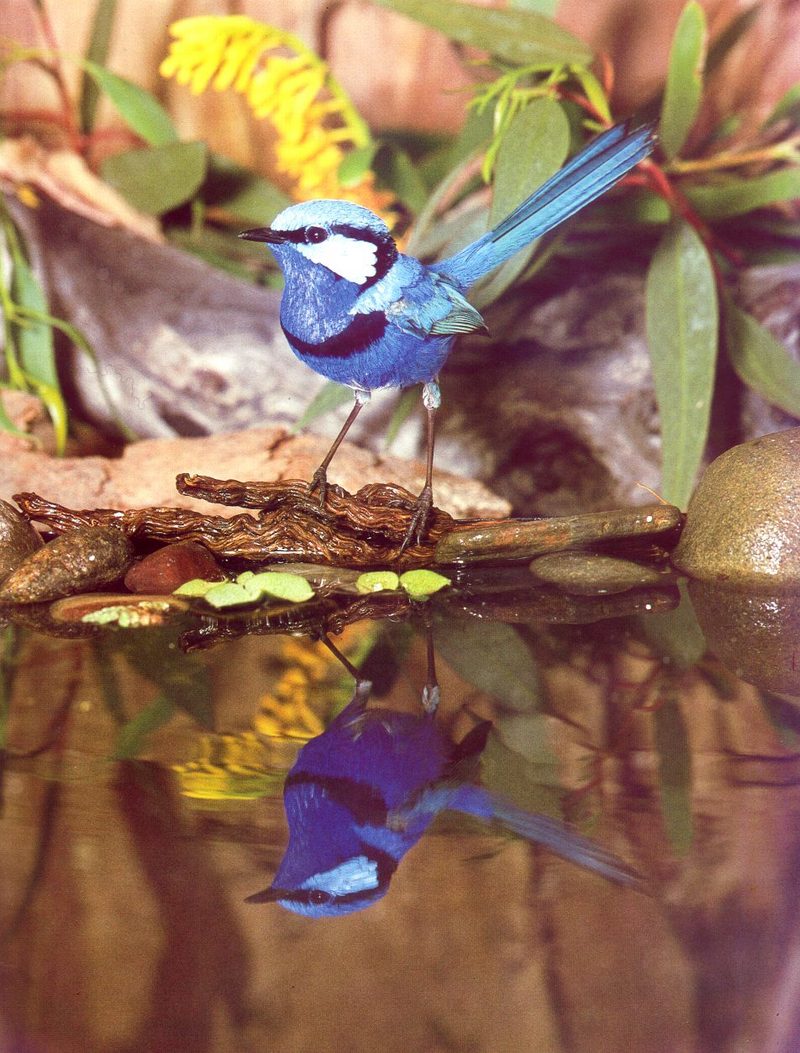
column 362, row 793
column 363, row 314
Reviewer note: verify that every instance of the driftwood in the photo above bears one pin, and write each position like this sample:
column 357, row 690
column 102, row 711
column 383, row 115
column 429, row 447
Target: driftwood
column 362, row 529
column 354, row 530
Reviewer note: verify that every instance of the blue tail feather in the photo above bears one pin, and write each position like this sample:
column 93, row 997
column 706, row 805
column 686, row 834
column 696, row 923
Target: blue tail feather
column 588, row 175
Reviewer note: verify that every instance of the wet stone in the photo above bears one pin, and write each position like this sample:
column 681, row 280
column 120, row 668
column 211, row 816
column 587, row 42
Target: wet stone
column 18, row 539
column 743, row 521
column 76, row 561
column 167, row 568
column 585, row 574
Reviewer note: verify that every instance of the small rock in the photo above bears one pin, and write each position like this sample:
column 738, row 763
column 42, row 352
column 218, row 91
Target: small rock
column 76, row 561
column 585, row 574
column 743, row 521
column 18, row 539
column 167, row 568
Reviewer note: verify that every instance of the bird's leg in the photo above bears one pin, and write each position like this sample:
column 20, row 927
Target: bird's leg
column 319, row 480
column 430, row 693
column 431, row 399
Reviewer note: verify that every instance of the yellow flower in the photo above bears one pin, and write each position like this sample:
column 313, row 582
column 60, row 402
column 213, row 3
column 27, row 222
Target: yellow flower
column 288, row 84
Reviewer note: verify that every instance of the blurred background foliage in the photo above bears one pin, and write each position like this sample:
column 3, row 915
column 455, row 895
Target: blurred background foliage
column 523, row 87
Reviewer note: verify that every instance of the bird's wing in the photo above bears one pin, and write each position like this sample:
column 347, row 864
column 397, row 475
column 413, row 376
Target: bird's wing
column 420, row 302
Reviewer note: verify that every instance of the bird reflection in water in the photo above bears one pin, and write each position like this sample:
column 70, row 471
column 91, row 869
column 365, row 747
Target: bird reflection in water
column 362, row 793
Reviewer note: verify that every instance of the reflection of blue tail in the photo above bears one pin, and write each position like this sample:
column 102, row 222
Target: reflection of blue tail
column 362, row 793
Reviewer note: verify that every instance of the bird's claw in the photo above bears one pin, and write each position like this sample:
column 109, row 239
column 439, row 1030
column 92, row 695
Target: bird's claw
column 415, row 534
column 319, row 481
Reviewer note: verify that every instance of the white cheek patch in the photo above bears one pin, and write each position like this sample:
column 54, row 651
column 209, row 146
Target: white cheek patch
column 354, row 875
column 350, row 258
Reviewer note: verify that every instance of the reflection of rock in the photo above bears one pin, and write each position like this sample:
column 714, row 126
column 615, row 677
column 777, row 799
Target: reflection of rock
column 18, row 539
column 756, row 634
column 743, row 522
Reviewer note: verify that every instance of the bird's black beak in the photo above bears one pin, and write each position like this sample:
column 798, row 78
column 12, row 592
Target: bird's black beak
column 269, row 895
column 272, row 237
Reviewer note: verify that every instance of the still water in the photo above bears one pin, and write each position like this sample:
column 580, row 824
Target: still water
column 141, row 804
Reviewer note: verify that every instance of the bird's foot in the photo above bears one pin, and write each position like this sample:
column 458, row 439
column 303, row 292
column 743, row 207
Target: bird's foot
column 419, row 520
column 319, row 481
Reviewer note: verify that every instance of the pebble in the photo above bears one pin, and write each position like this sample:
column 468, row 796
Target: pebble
column 587, row 574
column 743, row 521
column 18, row 539
column 167, row 568
column 76, row 561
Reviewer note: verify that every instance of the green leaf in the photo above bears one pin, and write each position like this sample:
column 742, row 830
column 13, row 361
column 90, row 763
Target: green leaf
column 684, row 79
column 33, row 337
column 519, row 37
column 682, row 323
column 102, row 27
column 158, row 178
column 280, row 585
column 378, row 581
column 132, row 737
column 419, row 584
column 138, row 108
column 356, row 163
column 242, row 194
column 231, row 594
column 533, row 148
column 329, row 397
column 788, row 107
column 395, row 169
column 676, row 775
column 762, row 361
column 738, row 196
column 492, row 656
column 543, row 7
column 406, row 404
column 195, row 587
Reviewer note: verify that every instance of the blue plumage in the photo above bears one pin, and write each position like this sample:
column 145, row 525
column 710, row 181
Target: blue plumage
column 361, row 795
column 359, row 312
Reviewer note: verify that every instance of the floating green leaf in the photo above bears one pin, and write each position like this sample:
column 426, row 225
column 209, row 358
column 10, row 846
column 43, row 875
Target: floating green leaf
column 280, row 585
column 419, row 584
column 684, row 79
column 137, row 107
column 329, row 397
column 378, row 581
column 102, row 26
column 519, row 37
column 195, row 587
column 762, row 361
column 676, row 775
column 682, row 327
column 158, row 178
column 735, row 197
column 231, row 594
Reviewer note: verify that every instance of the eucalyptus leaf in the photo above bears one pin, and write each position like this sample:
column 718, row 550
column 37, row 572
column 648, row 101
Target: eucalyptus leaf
column 138, row 108
column 241, row 193
column 158, row 178
column 519, row 37
column 735, row 197
column 676, row 776
column 395, row 169
column 329, row 397
column 102, row 27
column 356, row 163
column 132, row 737
column 682, row 323
column 761, row 360
column 533, row 148
column 684, row 86
column 492, row 656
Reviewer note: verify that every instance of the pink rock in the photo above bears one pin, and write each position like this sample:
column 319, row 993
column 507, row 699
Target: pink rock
column 165, row 569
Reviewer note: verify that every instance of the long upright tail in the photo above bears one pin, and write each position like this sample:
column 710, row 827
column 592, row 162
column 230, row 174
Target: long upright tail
column 588, row 175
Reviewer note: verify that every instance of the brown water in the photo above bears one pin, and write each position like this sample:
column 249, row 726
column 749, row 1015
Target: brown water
column 141, row 804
